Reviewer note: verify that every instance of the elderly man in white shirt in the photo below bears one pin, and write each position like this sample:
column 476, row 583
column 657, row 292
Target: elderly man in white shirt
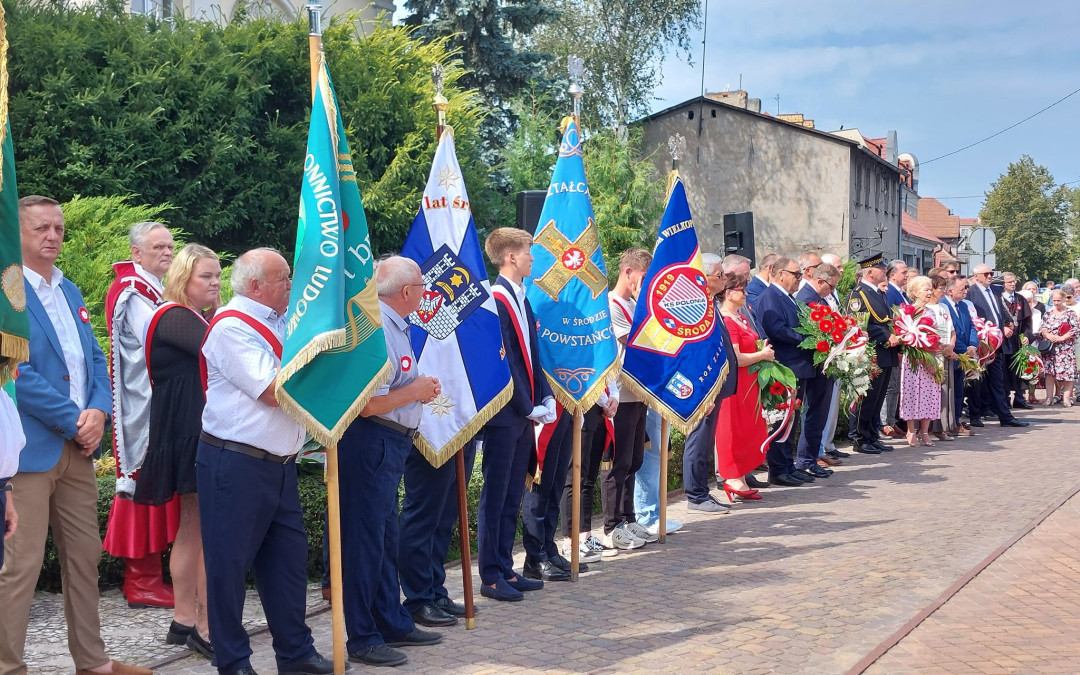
column 249, row 504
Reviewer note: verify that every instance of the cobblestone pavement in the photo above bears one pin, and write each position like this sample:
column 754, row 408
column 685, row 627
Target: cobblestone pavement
column 807, row 580
column 1020, row 614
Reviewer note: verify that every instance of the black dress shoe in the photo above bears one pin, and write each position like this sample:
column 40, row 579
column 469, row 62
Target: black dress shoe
column 417, row 638
column 990, row 415
column 785, row 479
column 881, row 446
column 1021, row 404
column 196, row 643
column 544, row 570
column 452, row 608
column 430, row 615
column 564, row 564
column 817, row 472
column 753, row 482
column 837, row 454
column 378, row 655
column 804, row 475
column 976, row 422
column 178, row 633
column 315, row 665
column 1015, row 423
column 867, row 449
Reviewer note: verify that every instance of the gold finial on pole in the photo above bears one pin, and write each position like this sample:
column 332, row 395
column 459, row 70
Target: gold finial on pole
column 439, row 103
column 677, row 147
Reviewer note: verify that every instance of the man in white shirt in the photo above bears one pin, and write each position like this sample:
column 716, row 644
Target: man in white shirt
column 12, row 441
column 249, row 505
column 137, row 533
column 63, row 402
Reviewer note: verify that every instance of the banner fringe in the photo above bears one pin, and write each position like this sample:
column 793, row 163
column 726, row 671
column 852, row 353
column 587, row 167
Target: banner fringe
column 439, row 457
column 334, row 339
column 319, row 432
column 590, row 398
column 685, row 426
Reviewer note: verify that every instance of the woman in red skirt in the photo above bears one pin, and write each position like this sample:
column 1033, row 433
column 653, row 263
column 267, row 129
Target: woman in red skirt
column 740, row 428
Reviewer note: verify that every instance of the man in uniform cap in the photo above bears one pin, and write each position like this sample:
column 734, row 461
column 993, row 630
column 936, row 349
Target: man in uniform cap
column 868, row 298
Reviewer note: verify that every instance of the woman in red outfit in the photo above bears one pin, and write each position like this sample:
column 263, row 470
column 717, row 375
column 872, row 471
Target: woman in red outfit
column 740, row 429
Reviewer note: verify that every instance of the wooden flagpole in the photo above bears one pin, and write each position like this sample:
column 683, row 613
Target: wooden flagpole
column 333, row 508
column 665, row 431
column 440, row 104
column 575, row 496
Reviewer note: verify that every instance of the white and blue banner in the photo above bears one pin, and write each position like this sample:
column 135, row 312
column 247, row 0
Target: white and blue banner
column 455, row 333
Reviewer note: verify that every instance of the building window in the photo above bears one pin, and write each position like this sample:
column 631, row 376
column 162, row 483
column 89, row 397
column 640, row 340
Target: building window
column 161, row 9
column 691, row 114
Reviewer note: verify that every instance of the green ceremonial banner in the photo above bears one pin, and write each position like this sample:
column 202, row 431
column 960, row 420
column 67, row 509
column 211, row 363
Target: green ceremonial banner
column 334, row 356
column 14, row 324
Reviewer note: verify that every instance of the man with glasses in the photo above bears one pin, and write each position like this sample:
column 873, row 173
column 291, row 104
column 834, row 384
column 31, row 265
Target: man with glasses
column 988, row 305
column 778, row 316
column 808, row 262
column 868, row 298
column 817, row 390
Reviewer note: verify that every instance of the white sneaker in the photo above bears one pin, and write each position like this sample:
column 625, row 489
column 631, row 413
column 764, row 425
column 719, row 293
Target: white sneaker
column 596, row 546
column 672, row 526
column 621, row 538
column 642, row 533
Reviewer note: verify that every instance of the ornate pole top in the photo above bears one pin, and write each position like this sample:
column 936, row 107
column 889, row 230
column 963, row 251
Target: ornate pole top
column 439, row 103
column 677, row 147
column 314, row 18
column 576, row 67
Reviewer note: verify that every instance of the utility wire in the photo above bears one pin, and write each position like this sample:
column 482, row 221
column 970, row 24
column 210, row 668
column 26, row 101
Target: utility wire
column 941, row 199
column 1012, row 126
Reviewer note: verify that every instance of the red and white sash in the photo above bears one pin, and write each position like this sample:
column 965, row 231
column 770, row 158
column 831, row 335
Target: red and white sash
column 258, row 326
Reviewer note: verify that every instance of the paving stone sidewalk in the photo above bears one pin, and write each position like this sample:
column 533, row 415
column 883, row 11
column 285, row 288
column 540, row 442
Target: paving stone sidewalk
column 1019, row 615
column 808, row 579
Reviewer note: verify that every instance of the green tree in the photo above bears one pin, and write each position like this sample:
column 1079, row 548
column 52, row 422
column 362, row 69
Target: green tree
column 1029, row 214
column 627, row 195
column 489, row 36
column 213, row 119
column 624, row 44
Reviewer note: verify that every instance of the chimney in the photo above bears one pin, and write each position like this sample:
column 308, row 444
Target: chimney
column 891, row 149
column 735, row 98
column 753, row 105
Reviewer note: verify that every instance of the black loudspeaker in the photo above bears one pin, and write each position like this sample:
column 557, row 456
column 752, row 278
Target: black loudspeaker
column 739, row 235
column 529, row 205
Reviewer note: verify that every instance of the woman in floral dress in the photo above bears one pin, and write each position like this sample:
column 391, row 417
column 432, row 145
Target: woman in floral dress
column 1060, row 326
column 920, row 392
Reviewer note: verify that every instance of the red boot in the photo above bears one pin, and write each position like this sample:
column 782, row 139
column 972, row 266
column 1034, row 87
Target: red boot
column 144, row 585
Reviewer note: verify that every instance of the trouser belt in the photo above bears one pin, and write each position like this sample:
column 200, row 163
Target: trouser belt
column 400, row 428
column 245, row 449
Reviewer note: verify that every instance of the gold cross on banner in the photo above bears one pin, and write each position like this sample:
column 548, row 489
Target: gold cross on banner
column 572, row 259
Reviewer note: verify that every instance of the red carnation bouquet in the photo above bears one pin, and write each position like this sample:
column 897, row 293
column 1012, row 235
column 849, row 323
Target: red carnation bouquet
column 990, row 339
column 776, row 396
column 841, row 347
column 918, row 339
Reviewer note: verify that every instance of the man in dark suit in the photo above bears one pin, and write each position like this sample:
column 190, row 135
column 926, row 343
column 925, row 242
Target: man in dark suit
column 778, row 316
column 700, row 446
column 761, row 280
column 988, row 305
column 817, row 390
column 63, row 401
column 1018, row 310
column 895, row 294
column 868, row 298
column 896, row 273
column 967, row 341
column 509, row 441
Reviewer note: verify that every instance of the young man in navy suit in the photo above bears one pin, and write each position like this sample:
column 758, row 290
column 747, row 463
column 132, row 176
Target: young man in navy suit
column 64, row 401
column 967, row 341
column 988, row 305
column 509, row 440
column 778, row 316
column 817, row 390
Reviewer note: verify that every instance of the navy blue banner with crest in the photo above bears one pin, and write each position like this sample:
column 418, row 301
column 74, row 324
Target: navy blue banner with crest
column 675, row 354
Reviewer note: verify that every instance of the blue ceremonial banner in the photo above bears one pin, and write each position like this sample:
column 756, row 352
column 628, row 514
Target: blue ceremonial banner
column 455, row 333
column 568, row 289
column 675, row 356
column 334, row 356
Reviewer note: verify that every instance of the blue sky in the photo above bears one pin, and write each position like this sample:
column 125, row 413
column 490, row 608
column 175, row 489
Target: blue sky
column 942, row 74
